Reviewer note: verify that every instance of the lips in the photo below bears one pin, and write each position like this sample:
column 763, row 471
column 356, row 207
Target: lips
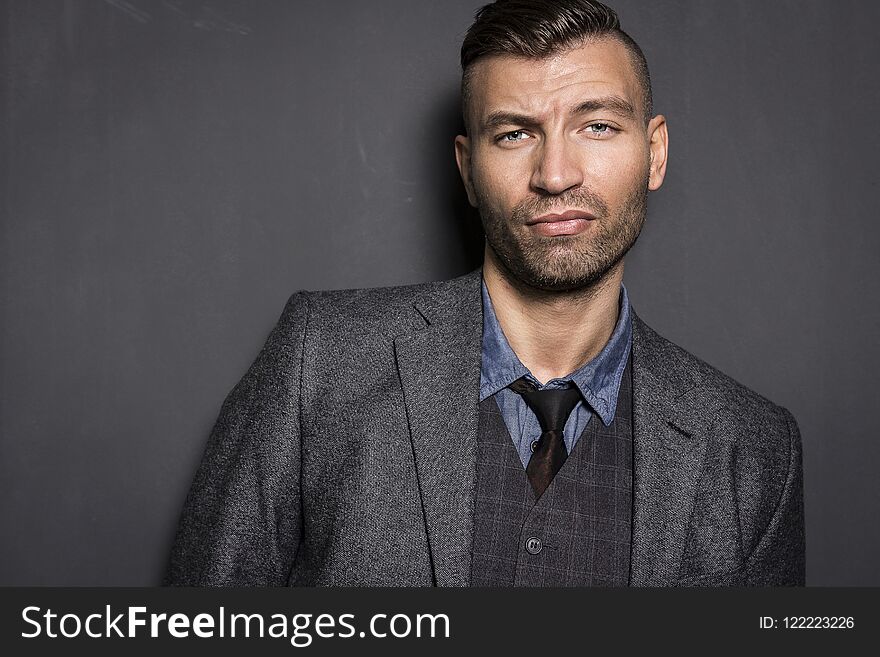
column 570, row 222
column 568, row 215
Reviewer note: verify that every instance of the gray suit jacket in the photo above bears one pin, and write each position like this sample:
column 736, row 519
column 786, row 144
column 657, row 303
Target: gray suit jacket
column 346, row 456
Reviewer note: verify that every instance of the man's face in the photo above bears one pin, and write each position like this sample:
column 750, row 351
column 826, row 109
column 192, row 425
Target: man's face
column 559, row 160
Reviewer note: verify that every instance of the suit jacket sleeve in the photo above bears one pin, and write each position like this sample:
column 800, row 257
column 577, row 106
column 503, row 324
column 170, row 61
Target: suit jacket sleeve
column 779, row 557
column 241, row 523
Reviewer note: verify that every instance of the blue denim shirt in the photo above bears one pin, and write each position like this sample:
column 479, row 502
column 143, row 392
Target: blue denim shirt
column 598, row 380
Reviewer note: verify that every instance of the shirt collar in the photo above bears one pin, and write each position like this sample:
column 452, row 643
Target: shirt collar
column 598, row 380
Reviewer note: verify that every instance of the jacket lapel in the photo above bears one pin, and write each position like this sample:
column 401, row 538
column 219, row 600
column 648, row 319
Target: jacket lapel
column 439, row 368
column 671, row 416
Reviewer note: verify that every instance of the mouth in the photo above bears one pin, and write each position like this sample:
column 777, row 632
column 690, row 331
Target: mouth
column 570, row 222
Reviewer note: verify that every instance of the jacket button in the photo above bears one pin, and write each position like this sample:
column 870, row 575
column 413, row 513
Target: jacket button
column 534, row 545
column 534, row 445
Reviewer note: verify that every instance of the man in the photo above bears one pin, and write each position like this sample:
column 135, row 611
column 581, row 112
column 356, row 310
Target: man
column 519, row 425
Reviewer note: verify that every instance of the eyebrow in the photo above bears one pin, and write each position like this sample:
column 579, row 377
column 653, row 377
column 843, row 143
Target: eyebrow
column 620, row 106
column 615, row 104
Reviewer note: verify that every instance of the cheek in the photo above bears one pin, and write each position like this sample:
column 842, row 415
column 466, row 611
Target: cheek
column 615, row 172
column 500, row 182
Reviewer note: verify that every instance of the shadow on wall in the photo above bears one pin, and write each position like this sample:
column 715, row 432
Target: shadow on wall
column 462, row 221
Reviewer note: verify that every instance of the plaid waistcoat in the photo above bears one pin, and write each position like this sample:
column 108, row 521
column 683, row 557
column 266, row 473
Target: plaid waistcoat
column 578, row 533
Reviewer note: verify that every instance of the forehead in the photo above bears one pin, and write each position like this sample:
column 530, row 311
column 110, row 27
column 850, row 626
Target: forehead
column 600, row 67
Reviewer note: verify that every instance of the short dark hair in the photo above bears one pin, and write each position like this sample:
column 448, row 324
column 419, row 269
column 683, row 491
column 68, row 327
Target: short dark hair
column 540, row 28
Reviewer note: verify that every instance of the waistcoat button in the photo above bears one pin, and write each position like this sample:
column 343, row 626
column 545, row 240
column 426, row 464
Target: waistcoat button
column 534, row 545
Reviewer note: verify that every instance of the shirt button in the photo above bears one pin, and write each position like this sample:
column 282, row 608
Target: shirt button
column 534, row 445
column 534, row 545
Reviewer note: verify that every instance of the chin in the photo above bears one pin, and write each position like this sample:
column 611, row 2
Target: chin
column 559, row 281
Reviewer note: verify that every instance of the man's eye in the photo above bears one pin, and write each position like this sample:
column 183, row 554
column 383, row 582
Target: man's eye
column 601, row 129
column 516, row 135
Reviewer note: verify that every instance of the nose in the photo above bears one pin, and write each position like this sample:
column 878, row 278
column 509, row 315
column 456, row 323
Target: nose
column 558, row 167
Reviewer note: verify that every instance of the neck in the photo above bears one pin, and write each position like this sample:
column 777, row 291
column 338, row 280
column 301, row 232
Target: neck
column 553, row 333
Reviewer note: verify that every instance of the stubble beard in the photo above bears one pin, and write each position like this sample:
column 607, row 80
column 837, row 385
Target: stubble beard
column 569, row 263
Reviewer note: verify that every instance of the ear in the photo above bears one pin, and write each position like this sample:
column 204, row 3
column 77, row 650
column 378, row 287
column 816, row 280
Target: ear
column 658, row 138
column 463, row 158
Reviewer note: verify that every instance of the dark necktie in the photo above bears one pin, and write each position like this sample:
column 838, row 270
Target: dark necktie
column 552, row 407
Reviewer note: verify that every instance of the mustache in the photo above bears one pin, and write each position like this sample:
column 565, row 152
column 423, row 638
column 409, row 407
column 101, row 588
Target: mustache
column 571, row 199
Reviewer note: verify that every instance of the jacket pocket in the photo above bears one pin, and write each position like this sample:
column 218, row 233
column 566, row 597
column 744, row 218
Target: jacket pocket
column 736, row 577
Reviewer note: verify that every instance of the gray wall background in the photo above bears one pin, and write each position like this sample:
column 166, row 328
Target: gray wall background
column 172, row 171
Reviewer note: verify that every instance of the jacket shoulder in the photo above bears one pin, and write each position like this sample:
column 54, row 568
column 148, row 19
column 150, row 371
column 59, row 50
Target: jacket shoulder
column 354, row 312
column 735, row 396
column 370, row 305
